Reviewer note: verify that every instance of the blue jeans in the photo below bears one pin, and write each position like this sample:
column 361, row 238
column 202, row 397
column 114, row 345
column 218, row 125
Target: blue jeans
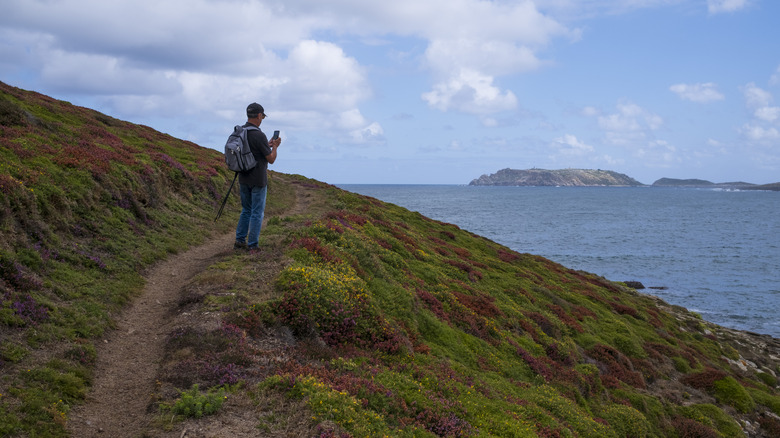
column 252, row 211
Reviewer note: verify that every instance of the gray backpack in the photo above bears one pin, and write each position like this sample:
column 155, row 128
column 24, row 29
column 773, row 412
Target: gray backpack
column 237, row 154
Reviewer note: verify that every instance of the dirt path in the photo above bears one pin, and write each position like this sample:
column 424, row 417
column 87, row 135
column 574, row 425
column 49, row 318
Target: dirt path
column 129, row 357
column 127, row 360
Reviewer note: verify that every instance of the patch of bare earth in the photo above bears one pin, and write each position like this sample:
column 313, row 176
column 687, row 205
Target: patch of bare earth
column 128, row 358
column 122, row 400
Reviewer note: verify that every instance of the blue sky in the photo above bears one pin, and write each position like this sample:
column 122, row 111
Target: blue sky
column 427, row 91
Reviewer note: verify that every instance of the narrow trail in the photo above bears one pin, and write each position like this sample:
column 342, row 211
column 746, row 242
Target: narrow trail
column 129, row 357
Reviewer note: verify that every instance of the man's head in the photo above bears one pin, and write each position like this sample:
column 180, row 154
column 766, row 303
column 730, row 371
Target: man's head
column 255, row 112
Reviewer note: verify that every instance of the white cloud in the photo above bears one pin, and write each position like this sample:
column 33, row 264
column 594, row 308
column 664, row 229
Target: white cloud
column 630, row 127
column 658, row 153
column 702, row 93
column 759, row 101
column 321, row 77
column 351, row 120
column 214, row 58
column 718, row 6
column 492, row 57
column 569, row 145
column 221, row 54
column 612, row 161
column 760, row 134
column 630, row 124
column 768, row 113
column 470, row 92
column 756, row 97
column 763, row 128
column 473, row 42
column 581, row 9
column 103, row 75
column 775, row 79
column 368, row 134
column 590, row 111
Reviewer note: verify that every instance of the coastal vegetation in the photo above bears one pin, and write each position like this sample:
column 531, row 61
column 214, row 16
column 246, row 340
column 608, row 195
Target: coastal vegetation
column 356, row 318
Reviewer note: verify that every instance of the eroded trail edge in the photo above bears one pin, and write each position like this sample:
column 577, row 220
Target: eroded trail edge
column 129, row 356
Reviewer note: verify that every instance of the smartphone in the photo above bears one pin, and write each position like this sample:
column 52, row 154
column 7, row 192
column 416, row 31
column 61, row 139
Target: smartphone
column 276, row 135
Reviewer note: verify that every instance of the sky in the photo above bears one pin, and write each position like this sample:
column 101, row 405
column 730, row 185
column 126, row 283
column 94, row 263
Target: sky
column 427, row 91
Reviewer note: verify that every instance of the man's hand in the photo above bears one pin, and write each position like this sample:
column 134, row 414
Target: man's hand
column 275, row 142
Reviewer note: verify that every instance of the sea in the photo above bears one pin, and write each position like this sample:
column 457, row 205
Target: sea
column 714, row 252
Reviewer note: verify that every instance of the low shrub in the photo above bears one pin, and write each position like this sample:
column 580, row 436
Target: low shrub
column 193, row 403
column 687, row 428
column 730, row 392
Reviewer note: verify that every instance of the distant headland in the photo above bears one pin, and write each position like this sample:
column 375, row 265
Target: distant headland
column 600, row 178
column 563, row 177
column 704, row 184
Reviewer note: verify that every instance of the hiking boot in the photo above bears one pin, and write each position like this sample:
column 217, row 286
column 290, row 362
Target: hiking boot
column 240, row 245
column 253, row 249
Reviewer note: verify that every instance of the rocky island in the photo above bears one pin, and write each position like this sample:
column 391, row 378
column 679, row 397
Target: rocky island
column 700, row 183
column 562, row 177
column 704, row 184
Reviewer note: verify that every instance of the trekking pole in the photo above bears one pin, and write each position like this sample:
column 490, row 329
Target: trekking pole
column 224, row 201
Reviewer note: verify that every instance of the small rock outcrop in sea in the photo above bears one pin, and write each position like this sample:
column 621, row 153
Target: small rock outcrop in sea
column 562, row 177
column 634, row 284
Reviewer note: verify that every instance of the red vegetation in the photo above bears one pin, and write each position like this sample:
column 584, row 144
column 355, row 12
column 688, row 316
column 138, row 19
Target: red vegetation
column 704, row 380
column 404, row 238
column 547, row 326
column 346, row 218
column 531, row 330
column 615, row 365
column 473, row 274
column 687, row 428
column 433, row 304
column 624, row 310
column 507, row 256
column 480, row 304
column 314, row 246
column 565, row 318
column 580, row 312
column 770, row 424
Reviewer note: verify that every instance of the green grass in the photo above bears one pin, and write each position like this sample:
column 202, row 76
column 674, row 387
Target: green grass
column 512, row 330
column 86, row 204
column 394, row 324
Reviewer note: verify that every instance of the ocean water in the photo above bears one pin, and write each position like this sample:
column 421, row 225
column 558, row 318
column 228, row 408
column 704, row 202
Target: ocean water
column 715, row 252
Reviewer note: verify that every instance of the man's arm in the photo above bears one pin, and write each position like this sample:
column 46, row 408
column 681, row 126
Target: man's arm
column 274, row 145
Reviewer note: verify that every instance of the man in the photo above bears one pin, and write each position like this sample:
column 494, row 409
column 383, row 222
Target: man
column 254, row 182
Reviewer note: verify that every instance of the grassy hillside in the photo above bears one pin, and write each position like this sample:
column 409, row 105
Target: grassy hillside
column 87, row 203
column 357, row 318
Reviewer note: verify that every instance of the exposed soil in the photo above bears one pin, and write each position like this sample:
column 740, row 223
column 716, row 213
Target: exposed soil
column 128, row 358
column 121, row 400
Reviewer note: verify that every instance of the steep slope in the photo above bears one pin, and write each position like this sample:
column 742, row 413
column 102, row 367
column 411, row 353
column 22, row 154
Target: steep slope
column 403, row 326
column 87, row 204
column 356, row 318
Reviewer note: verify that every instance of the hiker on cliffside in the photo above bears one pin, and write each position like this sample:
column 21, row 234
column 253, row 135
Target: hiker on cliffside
column 254, row 182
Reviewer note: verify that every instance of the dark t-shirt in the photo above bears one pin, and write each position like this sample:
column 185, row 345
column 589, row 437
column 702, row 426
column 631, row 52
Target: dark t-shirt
column 258, row 144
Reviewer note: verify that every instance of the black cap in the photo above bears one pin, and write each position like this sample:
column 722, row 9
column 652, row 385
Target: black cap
column 254, row 109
